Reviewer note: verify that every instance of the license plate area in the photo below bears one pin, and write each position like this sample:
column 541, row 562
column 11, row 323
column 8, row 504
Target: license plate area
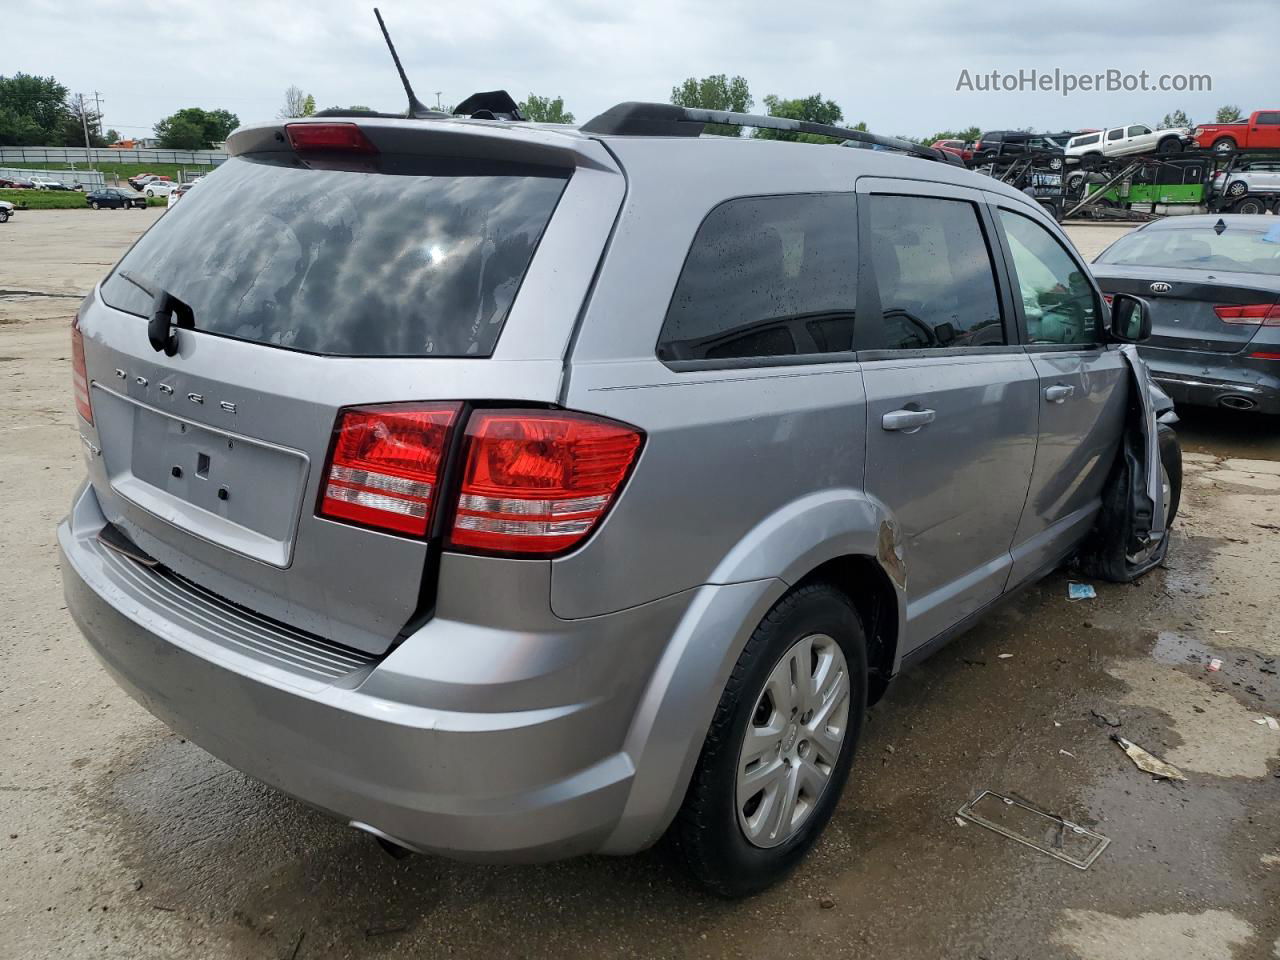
column 240, row 493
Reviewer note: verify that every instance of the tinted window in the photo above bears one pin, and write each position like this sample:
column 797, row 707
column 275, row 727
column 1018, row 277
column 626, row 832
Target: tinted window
column 993, row 136
column 766, row 277
column 1085, row 141
column 1115, row 134
column 1239, row 248
column 1138, row 131
column 1266, row 117
column 422, row 258
column 934, row 273
column 1057, row 299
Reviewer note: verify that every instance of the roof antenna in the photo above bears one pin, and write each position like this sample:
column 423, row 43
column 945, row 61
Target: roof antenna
column 417, row 109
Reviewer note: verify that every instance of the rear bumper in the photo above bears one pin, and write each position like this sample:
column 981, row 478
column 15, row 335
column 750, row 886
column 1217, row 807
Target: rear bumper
column 1209, row 381
column 486, row 772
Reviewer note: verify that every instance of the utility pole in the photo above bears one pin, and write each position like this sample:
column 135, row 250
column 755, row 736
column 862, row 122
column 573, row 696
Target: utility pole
column 438, row 92
column 84, row 122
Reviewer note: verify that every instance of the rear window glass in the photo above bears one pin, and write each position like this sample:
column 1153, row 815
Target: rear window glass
column 767, row 277
column 1238, row 248
column 421, row 258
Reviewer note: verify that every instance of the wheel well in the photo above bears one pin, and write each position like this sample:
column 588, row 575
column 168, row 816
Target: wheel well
column 865, row 583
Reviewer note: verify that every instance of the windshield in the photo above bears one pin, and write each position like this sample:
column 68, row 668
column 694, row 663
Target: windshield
column 421, row 258
column 1238, row 248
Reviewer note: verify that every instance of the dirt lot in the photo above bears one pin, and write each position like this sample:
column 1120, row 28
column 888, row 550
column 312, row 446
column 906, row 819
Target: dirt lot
column 121, row 840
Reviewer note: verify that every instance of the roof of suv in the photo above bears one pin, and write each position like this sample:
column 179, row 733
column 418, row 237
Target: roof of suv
column 570, row 145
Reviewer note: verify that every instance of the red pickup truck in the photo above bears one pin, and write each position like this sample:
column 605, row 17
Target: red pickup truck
column 1262, row 129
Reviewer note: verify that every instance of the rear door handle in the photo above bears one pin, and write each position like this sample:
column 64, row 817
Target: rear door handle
column 907, row 419
column 1059, row 392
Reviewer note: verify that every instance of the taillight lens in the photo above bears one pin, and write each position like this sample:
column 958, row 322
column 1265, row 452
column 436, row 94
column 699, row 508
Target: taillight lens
column 384, row 469
column 339, row 137
column 536, row 482
column 1254, row 314
column 79, row 373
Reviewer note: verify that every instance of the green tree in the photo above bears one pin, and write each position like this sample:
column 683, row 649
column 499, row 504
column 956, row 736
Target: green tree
column 811, row 108
column 1178, row 118
column 716, row 92
column 968, row 135
column 73, row 127
column 545, row 110
column 309, row 106
column 33, row 111
column 112, row 136
column 195, row 129
column 1229, row 113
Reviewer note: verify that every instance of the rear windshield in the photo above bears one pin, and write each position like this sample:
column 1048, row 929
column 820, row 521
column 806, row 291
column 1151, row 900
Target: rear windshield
column 1237, row 248
column 421, row 258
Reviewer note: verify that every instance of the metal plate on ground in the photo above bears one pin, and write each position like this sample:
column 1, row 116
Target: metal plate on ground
column 1018, row 820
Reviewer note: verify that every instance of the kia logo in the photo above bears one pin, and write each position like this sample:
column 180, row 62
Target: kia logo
column 1161, row 287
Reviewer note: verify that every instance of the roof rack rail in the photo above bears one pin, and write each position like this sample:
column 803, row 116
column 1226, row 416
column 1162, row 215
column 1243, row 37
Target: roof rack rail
column 639, row 119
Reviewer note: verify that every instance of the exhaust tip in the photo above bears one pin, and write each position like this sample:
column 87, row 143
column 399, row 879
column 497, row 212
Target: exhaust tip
column 390, row 846
column 1235, row 402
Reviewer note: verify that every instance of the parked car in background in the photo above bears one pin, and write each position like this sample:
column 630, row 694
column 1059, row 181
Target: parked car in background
column 1133, row 139
column 7, row 210
column 45, row 183
column 178, row 192
column 1253, row 185
column 1261, row 130
column 113, row 198
column 159, row 188
column 308, row 478
column 142, row 179
column 997, row 145
column 1213, row 286
column 960, row 148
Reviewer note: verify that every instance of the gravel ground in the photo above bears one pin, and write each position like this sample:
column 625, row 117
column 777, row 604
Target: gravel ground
column 121, row 840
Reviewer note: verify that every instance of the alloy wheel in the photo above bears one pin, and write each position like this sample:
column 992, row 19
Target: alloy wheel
column 793, row 740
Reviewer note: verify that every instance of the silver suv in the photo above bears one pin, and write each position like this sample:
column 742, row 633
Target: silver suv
column 514, row 492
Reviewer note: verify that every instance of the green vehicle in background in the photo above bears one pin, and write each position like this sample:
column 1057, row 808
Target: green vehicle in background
column 1164, row 187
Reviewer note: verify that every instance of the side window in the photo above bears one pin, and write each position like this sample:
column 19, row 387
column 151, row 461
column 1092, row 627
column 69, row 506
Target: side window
column 1139, row 131
column 1116, row 134
column 934, row 273
column 767, row 277
column 1057, row 298
column 1269, row 117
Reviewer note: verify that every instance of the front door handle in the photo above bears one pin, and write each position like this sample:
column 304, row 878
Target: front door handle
column 908, row 420
column 1059, row 392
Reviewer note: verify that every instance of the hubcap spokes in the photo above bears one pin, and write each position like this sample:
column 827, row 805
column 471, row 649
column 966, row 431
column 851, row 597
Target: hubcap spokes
column 793, row 741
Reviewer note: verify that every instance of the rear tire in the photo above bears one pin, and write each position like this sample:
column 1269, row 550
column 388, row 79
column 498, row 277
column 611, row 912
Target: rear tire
column 1251, row 205
column 1224, row 145
column 1169, row 145
column 737, row 840
column 1108, row 554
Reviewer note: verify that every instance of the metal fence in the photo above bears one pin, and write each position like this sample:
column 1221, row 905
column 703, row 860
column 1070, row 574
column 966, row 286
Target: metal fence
column 102, row 155
column 89, row 179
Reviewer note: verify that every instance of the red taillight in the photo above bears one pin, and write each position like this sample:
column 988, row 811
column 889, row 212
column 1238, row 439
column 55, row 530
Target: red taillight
column 1254, row 314
column 340, row 137
column 1263, row 355
column 384, row 469
column 79, row 373
column 536, row 482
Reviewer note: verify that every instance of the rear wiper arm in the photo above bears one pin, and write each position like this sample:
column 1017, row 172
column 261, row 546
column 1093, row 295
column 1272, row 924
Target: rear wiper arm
column 164, row 308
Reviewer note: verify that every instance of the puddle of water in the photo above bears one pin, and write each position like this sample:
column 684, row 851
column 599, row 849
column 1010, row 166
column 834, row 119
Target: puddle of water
column 1177, row 649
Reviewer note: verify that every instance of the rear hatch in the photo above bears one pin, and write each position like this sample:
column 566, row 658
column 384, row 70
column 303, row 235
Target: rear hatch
column 430, row 261
column 1194, row 313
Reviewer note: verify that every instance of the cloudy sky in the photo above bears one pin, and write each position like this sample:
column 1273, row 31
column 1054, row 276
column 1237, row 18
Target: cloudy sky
column 893, row 63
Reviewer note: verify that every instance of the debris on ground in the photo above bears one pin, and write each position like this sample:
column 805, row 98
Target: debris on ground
column 1268, row 722
column 1105, row 719
column 1081, row 591
column 1148, row 762
column 826, row 903
column 1067, row 753
column 1004, row 656
column 1214, row 665
column 1035, row 828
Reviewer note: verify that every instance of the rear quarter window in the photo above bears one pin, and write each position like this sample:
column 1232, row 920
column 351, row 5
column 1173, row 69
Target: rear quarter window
column 419, row 257
column 767, row 277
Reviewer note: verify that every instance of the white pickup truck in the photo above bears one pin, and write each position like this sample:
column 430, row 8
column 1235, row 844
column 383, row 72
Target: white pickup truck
column 1124, row 141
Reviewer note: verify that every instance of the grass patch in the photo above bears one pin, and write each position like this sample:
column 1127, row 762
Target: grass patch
column 57, row 199
column 122, row 171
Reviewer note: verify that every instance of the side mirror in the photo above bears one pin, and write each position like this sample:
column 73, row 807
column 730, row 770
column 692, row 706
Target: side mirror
column 1130, row 318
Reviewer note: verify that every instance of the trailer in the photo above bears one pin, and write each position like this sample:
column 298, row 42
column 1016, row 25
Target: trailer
column 1037, row 173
